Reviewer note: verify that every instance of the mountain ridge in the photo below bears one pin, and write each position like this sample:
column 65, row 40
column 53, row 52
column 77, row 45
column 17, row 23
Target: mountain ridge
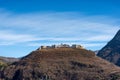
column 8, row 59
column 111, row 51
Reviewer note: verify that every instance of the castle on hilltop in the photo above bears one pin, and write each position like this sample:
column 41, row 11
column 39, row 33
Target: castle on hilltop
column 61, row 46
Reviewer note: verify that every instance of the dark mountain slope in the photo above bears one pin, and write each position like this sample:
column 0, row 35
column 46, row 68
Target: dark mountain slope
column 111, row 51
column 6, row 61
column 61, row 64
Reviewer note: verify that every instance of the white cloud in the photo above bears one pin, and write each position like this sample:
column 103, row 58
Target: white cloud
column 52, row 26
column 9, row 38
column 100, row 38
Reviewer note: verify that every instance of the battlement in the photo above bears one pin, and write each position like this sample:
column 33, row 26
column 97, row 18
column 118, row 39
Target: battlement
column 61, row 46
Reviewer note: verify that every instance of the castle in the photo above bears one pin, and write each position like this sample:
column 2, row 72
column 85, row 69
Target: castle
column 61, row 46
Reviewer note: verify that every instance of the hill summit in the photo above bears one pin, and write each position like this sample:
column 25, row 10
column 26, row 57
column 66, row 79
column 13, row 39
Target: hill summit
column 111, row 51
column 61, row 64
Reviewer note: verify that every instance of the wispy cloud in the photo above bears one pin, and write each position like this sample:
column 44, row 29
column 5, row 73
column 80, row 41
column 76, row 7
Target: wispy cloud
column 51, row 26
column 9, row 38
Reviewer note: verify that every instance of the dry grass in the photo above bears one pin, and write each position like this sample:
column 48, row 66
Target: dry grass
column 61, row 64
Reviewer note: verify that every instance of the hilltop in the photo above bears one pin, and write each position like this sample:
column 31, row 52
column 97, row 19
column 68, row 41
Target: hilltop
column 61, row 64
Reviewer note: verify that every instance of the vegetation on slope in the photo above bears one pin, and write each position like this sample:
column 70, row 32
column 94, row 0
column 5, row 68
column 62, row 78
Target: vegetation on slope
column 2, row 65
column 61, row 64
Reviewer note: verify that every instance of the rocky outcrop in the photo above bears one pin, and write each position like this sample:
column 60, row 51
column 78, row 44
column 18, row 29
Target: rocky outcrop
column 61, row 64
column 111, row 51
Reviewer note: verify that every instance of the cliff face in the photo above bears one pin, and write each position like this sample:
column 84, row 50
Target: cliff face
column 61, row 64
column 111, row 51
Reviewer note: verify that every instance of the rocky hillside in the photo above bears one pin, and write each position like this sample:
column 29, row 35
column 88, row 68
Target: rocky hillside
column 2, row 65
column 61, row 64
column 111, row 51
column 5, row 61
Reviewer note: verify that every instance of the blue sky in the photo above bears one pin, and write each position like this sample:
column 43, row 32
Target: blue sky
column 27, row 24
